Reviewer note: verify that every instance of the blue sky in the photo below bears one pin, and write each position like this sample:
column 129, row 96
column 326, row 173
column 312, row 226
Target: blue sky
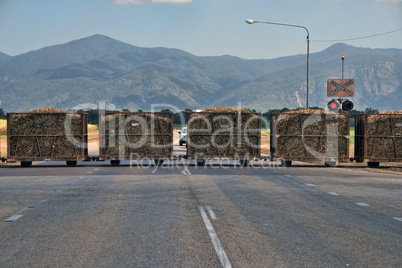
column 202, row 27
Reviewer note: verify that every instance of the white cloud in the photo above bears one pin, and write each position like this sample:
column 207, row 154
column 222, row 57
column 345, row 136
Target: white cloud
column 389, row 1
column 128, row 2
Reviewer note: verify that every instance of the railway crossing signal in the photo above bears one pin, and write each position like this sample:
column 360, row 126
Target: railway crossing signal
column 340, row 105
column 347, row 105
column 333, row 106
column 340, row 88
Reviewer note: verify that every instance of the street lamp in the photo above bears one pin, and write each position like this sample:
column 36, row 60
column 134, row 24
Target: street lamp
column 308, row 45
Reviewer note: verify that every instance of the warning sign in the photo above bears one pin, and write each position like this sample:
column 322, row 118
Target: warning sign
column 341, row 87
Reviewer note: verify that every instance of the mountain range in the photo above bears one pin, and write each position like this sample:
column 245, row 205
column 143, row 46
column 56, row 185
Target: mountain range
column 99, row 69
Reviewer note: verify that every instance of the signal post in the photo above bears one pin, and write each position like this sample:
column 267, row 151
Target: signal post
column 341, row 88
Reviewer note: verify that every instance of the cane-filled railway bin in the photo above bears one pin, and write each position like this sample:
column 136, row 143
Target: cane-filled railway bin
column 309, row 135
column 135, row 136
column 47, row 135
column 224, row 133
column 378, row 138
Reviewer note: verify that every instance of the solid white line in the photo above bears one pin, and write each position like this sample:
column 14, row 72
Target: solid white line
column 398, row 219
column 223, row 258
column 211, row 213
column 362, row 204
column 13, row 218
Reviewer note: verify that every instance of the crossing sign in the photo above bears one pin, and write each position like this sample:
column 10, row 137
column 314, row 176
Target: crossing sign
column 341, row 87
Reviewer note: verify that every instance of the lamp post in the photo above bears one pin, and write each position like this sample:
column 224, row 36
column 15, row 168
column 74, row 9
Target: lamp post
column 308, row 46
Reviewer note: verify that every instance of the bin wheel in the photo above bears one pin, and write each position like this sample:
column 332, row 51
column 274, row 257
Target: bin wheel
column 115, row 163
column 330, row 164
column 201, row 163
column 158, row 162
column 373, row 164
column 181, row 143
column 286, row 163
column 244, row 163
column 26, row 163
column 71, row 163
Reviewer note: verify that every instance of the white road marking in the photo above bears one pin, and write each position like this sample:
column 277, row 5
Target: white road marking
column 185, row 171
column 38, row 202
column 13, row 218
column 332, row 193
column 211, row 213
column 80, row 178
column 223, row 258
column 288, row 176
column 310, row 184
column 57, row 191
column 398, row 219
column 89, row 172
column 362, row 204
column 96, row 168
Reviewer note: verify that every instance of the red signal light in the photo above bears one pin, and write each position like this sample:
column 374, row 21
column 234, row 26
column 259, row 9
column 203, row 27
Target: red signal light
column 333, row 106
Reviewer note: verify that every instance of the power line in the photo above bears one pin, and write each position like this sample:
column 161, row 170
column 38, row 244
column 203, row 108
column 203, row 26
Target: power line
column 357, row 38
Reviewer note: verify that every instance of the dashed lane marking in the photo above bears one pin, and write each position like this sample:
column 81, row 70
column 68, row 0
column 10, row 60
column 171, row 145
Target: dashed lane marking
column 38, row 202
column 362, row 204
column 223, row 258
column 397, row 218
column 310, row 184
column 211, row 213
column 332, row 193
column 13, row 218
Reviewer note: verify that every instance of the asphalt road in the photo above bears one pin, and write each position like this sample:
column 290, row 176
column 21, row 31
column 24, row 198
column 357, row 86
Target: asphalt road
column 96, row 215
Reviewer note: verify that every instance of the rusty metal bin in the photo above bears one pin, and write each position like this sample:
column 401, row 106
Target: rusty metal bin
column 309, row 137
column 135, row 135
column 378, row 138
column 47, row 136
column 229, row 135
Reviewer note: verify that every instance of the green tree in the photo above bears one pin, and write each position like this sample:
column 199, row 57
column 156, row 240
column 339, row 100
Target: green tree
column 2, row 114
column 370, row 110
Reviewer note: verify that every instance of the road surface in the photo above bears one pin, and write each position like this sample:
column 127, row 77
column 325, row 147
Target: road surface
column 96, row 215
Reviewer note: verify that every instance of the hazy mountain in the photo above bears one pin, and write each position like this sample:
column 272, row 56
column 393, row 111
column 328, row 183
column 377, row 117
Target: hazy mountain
column 4, row 57
column 100, row 69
